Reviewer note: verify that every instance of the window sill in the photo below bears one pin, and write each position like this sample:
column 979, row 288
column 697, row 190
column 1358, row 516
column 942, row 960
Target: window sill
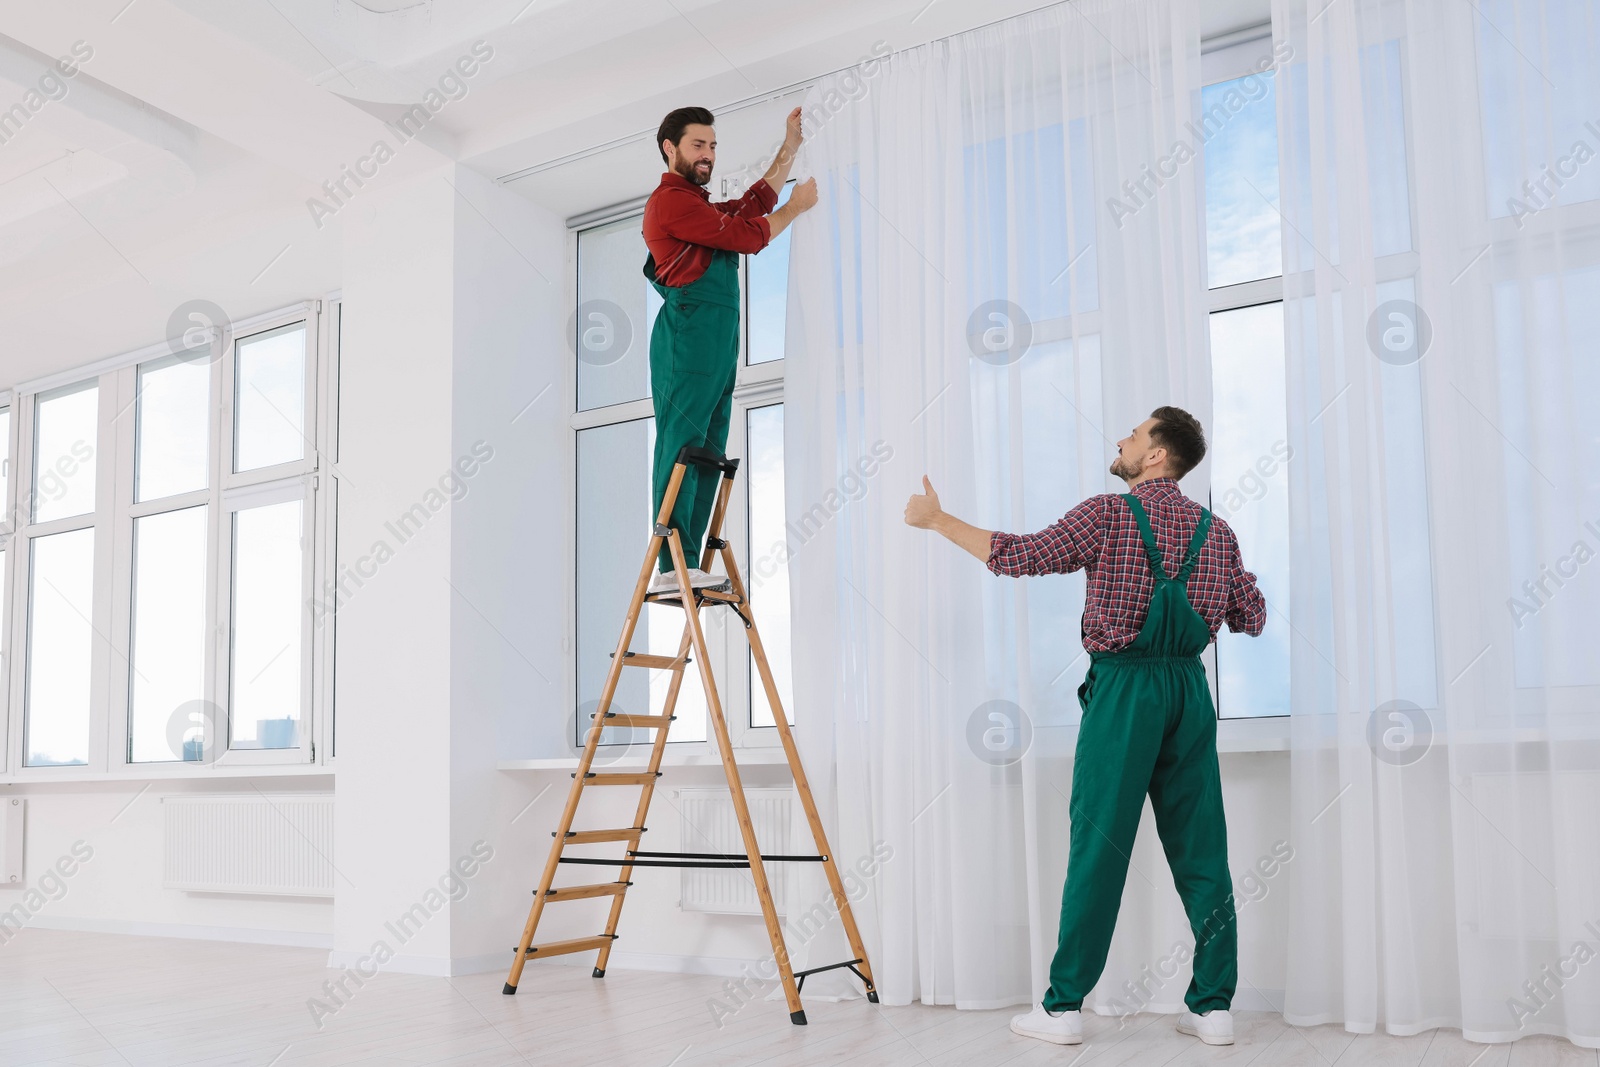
column 1268, row 734
column 1233, row 736
column 746, row 757
column 160, row 772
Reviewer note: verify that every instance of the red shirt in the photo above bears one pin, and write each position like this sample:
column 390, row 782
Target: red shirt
column 682, row 226
column 1101, row 536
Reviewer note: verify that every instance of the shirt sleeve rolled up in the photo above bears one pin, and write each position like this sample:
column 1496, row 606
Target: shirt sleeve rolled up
column 1070, row 543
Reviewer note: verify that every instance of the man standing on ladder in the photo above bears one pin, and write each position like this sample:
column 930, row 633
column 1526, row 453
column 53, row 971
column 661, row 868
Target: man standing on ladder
column 1163, row 576
column 694, row 346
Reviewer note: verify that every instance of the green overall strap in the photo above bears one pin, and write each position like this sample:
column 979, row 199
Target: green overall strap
column 1196, row 543
column 1150, row 550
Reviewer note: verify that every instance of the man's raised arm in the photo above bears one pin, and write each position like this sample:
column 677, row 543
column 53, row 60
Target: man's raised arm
column 923, row 511
column 1068, row 544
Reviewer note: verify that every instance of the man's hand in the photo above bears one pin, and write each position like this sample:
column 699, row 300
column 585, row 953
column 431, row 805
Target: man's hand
column 778, row 173
column 804, row 197
column 923, row 510
column 792, row 135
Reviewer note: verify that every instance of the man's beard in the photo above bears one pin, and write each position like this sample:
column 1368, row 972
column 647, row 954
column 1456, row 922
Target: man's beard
column 687, row 171
column 1121, row 471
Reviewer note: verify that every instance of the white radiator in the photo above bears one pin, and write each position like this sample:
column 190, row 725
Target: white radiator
column 708, row 824
column 250, row 843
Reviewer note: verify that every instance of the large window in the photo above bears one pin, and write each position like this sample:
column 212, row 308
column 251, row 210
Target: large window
column 171, row 524
column 1251, row 452
column 615, row 429
column 1249, row 436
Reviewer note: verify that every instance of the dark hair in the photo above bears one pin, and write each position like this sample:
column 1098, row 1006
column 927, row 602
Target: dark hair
column 1181, row 435
column 673, row 125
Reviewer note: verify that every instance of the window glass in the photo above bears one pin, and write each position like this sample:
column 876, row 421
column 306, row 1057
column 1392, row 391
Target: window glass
column 768, row 579
column 174, row 435
column 1249, row 490
column 60, row 648
column 614, row 524
column 1238, row 120
column 167, row 711
column 270, row 398
column 264, row 672
column 610, row 328
column 64, row 452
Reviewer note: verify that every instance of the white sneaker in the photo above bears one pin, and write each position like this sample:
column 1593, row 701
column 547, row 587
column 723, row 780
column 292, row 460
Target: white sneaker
column 667, row 581
column 1214, row 1027
column 1063, row 1029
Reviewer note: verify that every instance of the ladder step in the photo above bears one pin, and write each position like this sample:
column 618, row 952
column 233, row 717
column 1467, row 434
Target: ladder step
column 648, row 721
column 620, row 779
column 583, row 837
column 641, row 659
column 580, row 892
column 576, row 944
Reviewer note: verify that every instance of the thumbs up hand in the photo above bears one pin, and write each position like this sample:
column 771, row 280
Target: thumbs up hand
column 922, row 510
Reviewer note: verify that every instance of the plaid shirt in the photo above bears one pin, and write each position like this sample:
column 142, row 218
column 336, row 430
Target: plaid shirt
column 1101, row 536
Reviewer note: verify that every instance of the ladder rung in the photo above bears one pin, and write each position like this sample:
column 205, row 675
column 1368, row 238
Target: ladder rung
column 583, row 837
column 710, row 596
column 576, row 944
column 579, row 892
column 620, row 779
column 647, row 721
column 642, row 659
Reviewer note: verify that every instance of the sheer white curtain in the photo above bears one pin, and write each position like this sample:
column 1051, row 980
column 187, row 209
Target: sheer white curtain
column 1442, row 302
column 967, row 302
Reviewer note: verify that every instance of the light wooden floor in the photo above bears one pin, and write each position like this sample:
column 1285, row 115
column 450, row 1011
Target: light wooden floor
column 95, row 999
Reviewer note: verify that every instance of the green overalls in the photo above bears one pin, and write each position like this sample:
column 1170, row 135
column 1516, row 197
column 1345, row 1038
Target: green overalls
column 694, row 360
column 1149, row 726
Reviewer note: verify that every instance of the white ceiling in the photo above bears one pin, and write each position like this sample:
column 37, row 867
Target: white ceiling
column 180, row 160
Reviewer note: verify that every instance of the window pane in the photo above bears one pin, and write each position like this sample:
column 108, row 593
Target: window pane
column 264, row 675
column 613, row 530
column 1538, row 82
column 167, row 709
column 768, row 297
column 60, row 647
column 270, row 398
column 174, row 428
column 1250, row 489
column 610, row 330
column 63, row 457
column 1239, row 122
column 768, row 580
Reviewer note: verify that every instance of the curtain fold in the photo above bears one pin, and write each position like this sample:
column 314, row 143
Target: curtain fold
column 1002, row 276
column 1442, row 291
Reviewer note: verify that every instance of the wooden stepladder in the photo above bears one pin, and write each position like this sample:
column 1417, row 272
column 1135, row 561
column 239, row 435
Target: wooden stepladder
column 730, row 594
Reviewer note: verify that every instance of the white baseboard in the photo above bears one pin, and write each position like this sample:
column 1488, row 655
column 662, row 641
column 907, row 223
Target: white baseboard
column 427, row 966
column 188, row 931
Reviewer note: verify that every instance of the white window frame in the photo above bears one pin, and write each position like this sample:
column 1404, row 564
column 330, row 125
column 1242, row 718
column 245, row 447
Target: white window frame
column 8, row 452
column 757, row 385
column 113, row 519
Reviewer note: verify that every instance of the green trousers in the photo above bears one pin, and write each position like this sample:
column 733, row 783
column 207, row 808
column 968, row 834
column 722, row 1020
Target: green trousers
column 1149, row 727
column 694, row 362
